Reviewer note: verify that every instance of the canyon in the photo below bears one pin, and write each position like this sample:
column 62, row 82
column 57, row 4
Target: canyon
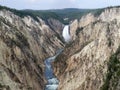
column 87, row 59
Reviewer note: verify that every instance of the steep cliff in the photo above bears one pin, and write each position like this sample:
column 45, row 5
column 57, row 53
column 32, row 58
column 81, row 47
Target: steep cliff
column 24, row 44
column 90, row 62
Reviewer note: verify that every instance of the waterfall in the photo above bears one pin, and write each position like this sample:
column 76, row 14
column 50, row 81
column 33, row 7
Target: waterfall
column 66, row 34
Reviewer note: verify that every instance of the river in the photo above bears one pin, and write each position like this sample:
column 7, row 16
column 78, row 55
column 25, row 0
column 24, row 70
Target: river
column 52, row 81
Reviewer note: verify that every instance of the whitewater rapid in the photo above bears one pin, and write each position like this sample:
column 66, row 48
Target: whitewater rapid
column 52, row 81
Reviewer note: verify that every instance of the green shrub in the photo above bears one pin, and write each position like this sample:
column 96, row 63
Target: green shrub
column 113, row 71
column 78, row 30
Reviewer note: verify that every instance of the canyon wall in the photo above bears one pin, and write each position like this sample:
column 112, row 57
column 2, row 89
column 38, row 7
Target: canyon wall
column 92, row 60
column 24, row 45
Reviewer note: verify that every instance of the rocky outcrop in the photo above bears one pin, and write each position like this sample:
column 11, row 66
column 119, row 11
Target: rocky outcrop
column 87, row 19
column 24, row 44
column 57, row 27
column 73, row 28
column 110, row 14
column 77, row 25
column 84, row 63
column 107, row 15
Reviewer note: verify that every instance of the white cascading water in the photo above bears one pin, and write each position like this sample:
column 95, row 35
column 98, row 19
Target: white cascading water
column 66, row 34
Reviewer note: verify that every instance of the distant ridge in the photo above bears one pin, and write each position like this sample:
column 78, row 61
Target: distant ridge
column 59, row 14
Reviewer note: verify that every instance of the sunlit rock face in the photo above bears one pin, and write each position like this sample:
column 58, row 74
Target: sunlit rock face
column 24, row 45
column 85, row 63
column 73, row 28
column 66, row 34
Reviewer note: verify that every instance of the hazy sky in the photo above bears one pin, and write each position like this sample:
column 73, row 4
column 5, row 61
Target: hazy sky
column 58, row 4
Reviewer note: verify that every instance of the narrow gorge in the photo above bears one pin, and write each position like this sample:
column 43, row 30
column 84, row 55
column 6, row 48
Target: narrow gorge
column 51, row 50
column 52, row 81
